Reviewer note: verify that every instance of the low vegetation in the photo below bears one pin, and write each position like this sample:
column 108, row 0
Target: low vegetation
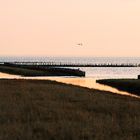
column 129, row 85
column 48, row 110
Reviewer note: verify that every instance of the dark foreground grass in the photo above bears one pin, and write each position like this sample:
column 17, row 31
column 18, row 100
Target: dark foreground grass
column 129, row 85
column 45, row 110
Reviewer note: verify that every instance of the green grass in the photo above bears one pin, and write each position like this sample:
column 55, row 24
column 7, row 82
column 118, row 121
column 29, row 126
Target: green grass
column 47, row 110
column 129, row 85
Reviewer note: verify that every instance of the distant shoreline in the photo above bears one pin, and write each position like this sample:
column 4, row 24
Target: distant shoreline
column 35, row 70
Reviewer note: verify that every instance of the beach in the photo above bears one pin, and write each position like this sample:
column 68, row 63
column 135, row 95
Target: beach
column 69, row 70
column 38, row 110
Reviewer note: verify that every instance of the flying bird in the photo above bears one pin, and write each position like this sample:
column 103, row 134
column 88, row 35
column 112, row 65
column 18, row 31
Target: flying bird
column 80, row 44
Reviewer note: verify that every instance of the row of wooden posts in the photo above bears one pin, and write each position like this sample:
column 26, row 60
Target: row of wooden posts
column 60, row 64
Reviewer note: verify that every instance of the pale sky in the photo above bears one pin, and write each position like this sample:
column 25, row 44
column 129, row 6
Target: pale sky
column 54, row 27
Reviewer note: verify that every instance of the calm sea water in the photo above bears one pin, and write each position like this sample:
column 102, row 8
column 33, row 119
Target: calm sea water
column 81, row 60
column 92, row 74
column 97, row 73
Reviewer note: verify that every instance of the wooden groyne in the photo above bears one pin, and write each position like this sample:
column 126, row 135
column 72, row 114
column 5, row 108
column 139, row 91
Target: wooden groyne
column 39, row 70
column 59, row 64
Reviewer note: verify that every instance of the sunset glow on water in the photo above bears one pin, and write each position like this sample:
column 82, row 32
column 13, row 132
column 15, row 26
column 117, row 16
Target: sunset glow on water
column 83, row 82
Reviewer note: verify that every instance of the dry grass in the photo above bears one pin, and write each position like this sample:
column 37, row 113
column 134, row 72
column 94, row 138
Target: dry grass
column 45, row 110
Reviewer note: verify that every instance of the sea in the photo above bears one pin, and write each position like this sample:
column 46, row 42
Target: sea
column 92, row 73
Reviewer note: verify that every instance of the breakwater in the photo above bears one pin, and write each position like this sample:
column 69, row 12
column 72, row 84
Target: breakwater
column 38, row 70
column 60, row 64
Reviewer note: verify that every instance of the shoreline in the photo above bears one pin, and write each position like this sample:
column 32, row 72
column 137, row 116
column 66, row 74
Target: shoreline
column 36, row 70
column 88, row 82
column 129, row 95
column 77, row 81
column 128, row 85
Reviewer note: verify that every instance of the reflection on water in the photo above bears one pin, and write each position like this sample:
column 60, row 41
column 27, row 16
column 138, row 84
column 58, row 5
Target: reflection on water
column 84, row 82
column 89, row 83
column 8, row 76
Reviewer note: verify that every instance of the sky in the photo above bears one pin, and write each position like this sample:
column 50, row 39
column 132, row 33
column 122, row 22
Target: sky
column 55, row 27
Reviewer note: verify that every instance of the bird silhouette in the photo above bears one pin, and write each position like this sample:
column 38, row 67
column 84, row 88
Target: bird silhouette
column 80, row 44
